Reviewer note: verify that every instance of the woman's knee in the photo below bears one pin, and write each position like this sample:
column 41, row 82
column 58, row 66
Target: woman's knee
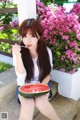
column 41, row 101
column 25, row 102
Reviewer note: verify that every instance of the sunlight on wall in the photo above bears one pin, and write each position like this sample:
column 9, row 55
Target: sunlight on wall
column 68, row 6
column 6, row 59
column 15, row 1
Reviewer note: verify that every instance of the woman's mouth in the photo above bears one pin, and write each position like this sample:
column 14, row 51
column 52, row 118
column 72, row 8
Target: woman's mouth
column 29, row 45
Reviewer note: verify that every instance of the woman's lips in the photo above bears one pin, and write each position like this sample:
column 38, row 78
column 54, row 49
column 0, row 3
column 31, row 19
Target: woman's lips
column 29, row 45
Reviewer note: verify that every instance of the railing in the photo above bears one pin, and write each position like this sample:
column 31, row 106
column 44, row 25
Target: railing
column 7, row 27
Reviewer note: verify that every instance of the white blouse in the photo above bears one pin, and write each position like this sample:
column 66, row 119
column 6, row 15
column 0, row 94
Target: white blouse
column 21, row 77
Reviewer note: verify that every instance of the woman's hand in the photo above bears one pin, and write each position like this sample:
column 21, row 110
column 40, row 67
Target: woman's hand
column 19, row 66
column 16, row 49
column 46, row 79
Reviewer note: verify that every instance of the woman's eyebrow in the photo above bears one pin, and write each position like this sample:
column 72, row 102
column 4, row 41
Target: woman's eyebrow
column 29, row 35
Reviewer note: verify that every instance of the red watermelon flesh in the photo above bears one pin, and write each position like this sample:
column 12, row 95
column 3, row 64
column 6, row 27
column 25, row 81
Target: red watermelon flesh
column 32, row 88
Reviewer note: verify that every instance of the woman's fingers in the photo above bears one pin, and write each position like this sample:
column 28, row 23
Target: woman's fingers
column 16, row 49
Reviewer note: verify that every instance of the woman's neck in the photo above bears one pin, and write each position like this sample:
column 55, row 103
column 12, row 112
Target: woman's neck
column 33, row 53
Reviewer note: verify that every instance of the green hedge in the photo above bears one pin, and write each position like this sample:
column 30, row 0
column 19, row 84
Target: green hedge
column 4, row 66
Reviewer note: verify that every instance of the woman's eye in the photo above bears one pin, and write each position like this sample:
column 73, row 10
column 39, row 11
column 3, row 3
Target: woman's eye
column 29, row 36
column 33, row 35
column 24, row 36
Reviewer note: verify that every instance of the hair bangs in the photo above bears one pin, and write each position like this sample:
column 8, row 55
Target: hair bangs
column 32, row 25
column 31, row 29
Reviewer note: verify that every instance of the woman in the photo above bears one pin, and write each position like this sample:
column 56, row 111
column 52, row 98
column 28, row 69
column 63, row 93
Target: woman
column 33, row 64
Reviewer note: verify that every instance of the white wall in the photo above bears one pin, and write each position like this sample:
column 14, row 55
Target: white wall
column 6, row 59
column 26, row 9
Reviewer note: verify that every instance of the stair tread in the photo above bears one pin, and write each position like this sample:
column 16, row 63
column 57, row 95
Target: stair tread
column 63, row 106
column 13, row 103
column 7, row 77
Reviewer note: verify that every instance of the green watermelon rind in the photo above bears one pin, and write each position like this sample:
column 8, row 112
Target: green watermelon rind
column 32, row 94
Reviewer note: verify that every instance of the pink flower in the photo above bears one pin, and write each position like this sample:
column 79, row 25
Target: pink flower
column 72, row 71
column 76, row 8
column 1, row 28
column 73, row 44
column 65, row 37
column 45, row 33
column 62, row 57
column 78, row 36
column 66, row 47
column 61, row 33
column 9, row 1
column 70, row 53
column 14, row 23
column 1, row 0
column 75, row 27
column 37, row 0
column 62, row 69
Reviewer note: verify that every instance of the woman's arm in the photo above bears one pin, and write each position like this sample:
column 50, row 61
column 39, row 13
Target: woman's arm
column 18, row 59
column 19, row 65
column 46, row 79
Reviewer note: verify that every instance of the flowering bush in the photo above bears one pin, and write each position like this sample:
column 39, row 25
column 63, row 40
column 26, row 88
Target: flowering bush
column 6, row 3
column 46, row 2
column 62, row 34
column 76, row 10
column 6, row 18
column 8, row 32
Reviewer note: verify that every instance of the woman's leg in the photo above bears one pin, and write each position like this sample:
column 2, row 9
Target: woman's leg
column 45, row 107
column 27, row 108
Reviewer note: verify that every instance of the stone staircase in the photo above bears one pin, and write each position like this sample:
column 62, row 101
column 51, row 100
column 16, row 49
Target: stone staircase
column 65, row 108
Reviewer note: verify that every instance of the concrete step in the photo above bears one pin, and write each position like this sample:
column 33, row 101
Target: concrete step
column 65, row 108
column 7, row 77
column 11, row 106
column 54, row 89
column 8, row 101
column 7, row 85
column 77, row 117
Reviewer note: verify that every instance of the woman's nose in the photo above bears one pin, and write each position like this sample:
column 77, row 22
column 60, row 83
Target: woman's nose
column 28, row 39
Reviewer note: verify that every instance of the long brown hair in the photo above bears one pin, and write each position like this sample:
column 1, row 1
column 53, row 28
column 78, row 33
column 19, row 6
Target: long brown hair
column 43, row 60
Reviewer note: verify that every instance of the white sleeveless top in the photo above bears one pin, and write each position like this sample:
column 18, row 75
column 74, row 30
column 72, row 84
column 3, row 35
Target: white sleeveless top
column 21, row 77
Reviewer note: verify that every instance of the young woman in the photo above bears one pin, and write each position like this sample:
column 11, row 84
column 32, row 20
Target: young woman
column 33, row 64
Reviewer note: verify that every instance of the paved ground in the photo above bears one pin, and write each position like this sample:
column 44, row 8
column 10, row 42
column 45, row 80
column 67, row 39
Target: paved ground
column 78, row 113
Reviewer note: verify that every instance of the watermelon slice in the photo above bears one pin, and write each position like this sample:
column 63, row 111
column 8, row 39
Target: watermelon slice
column 32, row 90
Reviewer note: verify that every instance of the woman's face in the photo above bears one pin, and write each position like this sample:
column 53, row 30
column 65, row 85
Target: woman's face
column 30, row 41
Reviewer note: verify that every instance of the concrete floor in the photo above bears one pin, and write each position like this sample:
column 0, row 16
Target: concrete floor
column 78, row 114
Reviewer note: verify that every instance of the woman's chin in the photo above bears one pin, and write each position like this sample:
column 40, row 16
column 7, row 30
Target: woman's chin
column 29, row 47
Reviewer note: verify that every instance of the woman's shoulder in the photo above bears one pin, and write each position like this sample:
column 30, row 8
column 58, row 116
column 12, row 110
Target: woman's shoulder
column 49, row 52
column 48, row 49
column 50, row 56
